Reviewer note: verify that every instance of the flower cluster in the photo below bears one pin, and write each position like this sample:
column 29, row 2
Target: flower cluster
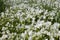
column 31, row 20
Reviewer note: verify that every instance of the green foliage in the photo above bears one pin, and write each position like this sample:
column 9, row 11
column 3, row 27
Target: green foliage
column 28, row 21
column 46, row 7
column 41, row 37
column 2, row 6
column 16, row 22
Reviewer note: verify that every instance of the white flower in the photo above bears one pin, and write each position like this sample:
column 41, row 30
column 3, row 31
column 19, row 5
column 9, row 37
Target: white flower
column 7, row 10
column 45, row 32
column 33, row 20
column 0, row 38
column 32, row 9
column 56, row 24
column 27, row 26
column 51, row 38
column 30, row 38
column 42, row 30
column 46, row 39
column 40, row 11
column 47, row 24
column 52, row 13
column 39, row 23
column 23, row 35
column 38, row 33
column 59, row 33
column 7, row 24
column 3, row 28
column 44, row 17
column 3, row 32
column 46, row 12
column 7, row 31
column 30, row 33
column 4, row 36
column 2, row 14
column 48, row 33
column 29, row 16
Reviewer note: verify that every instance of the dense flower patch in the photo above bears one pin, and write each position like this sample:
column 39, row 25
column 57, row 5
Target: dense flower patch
column 31, row 20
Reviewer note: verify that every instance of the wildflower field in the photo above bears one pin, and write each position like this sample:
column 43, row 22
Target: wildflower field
column 29, row 19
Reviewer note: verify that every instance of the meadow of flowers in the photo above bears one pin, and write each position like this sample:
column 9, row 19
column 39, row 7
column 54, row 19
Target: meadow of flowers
column 30, row 20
